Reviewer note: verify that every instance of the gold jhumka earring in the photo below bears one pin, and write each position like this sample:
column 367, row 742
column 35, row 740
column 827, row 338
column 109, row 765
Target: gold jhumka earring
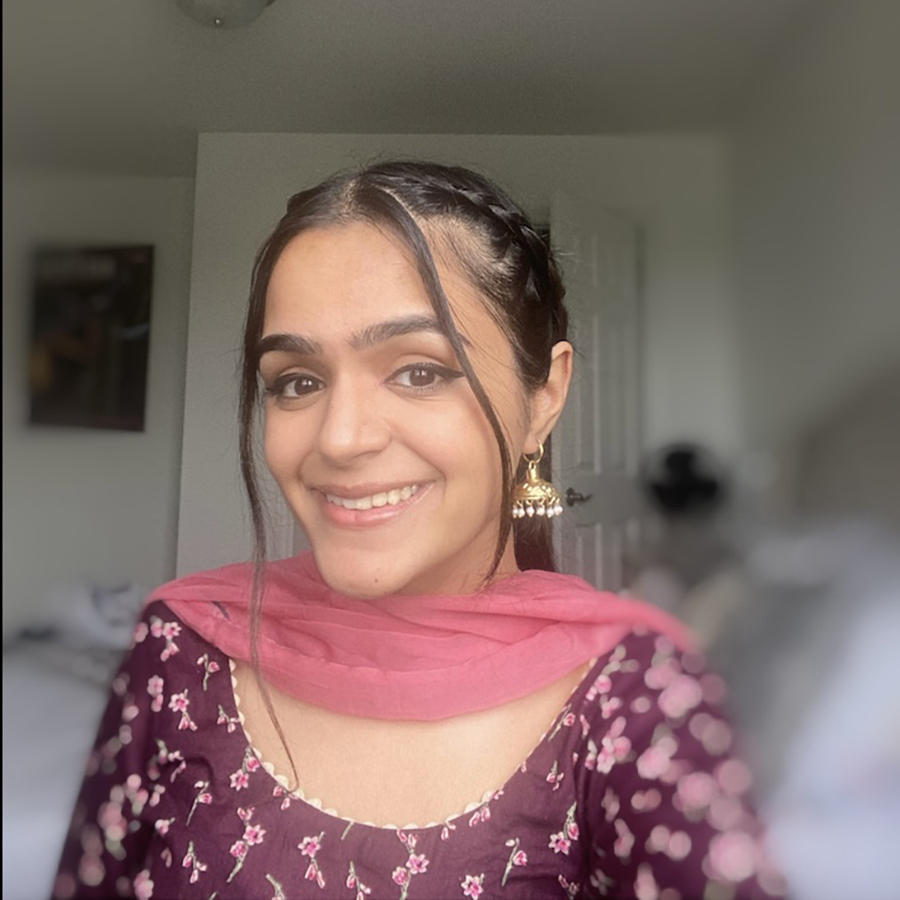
column 534, row 496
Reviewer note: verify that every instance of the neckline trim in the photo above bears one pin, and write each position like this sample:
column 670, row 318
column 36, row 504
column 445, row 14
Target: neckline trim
column 314, row 802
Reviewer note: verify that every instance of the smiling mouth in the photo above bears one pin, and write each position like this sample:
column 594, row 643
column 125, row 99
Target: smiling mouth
column 374, row 501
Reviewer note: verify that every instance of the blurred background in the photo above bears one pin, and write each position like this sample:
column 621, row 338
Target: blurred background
column 721, row 181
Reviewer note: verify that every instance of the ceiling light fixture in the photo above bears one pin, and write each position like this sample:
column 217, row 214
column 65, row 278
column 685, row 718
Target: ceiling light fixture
column 223, row 13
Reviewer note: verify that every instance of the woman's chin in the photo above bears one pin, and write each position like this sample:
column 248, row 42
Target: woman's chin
column 357, row 581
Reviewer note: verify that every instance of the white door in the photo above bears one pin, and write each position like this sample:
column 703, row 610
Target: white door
column 596, row 446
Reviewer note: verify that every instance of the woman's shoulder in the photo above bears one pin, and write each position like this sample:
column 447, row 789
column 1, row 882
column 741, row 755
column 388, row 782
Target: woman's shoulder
column 162, row 637
column 647, row 687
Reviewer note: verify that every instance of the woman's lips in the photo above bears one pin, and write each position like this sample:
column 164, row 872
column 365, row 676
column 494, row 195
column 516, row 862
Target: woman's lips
column 380, row 508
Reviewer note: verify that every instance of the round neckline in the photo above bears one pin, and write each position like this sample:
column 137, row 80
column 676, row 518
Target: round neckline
column 315, row 803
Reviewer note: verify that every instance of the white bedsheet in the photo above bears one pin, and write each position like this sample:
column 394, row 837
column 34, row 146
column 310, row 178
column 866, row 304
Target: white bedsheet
column 50, row 718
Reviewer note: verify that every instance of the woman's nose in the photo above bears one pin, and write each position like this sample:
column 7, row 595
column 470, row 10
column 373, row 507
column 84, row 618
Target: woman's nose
column 351, row 425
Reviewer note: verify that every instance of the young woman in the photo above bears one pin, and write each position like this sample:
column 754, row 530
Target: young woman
column 420, row 707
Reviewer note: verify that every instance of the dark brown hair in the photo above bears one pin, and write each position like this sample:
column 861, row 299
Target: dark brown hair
column 500, row 251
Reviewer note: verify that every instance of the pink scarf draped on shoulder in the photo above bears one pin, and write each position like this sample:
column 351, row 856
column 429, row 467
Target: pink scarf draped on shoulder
column 407, row 657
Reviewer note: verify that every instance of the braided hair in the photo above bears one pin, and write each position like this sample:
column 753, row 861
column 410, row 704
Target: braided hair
column 499, row 250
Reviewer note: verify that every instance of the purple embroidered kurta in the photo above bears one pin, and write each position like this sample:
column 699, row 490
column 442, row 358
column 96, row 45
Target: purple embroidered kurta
column 633, row 792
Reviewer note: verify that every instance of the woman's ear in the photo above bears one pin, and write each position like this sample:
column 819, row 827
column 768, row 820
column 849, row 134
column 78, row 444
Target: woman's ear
column 549, row 400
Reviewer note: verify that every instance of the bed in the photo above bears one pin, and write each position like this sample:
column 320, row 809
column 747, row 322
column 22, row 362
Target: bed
column 55, row 677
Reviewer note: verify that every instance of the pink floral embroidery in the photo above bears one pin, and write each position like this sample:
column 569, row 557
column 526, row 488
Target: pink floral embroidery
column 732, row 856
column 517, row 858
column 180, row 703
column 601, row 881
column 162, row 825
column 614, row 747
column 645, row 886
column 155, row 687
column 191, row 861
column 661, row 674
column 646, row 801
column 696, row 791
column 680, row 696
column 559, row 843
column 734, row 776
column 416, row 864
column 570, row 887
column 679, row 846
column 254, row 834
column 231, row 722
column 714, row 734
column 473, row 886
column 625, row 841
column 362, row 891
column 279, row 791
column 309, row 847
column 143, row 885
column 554, row 776
column 239, row 780
column 203, row 796
column 240, row 849
column 609, row 706
column 610, row 804
column 656, row 759
column 602, row 685
column 167, row 630
column 210, row 667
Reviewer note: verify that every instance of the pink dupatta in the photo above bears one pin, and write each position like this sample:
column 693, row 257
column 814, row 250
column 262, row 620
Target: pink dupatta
column 408, row 657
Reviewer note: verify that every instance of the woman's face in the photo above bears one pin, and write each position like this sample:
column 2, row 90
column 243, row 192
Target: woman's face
column 372, row 432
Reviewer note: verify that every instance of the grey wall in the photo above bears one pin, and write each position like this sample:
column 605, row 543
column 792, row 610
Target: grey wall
column 816, row 206
column 92, row 504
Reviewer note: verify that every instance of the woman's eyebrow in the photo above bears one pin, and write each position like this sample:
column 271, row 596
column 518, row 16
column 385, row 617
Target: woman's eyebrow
column 288, row 343
column 367, row 337
column 380, row 332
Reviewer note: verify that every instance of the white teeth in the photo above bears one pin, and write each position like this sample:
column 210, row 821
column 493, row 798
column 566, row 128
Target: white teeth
column 387, row 498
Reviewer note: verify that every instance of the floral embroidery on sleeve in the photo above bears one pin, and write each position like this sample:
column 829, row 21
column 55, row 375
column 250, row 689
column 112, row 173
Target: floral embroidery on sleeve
column 167, row 630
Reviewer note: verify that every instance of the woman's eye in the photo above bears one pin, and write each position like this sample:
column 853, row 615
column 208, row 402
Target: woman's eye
column 293, row 387
column 424, row 376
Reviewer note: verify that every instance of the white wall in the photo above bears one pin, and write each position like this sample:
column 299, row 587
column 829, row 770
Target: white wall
column 672, row 186
column 100, row 505
column 817, row 219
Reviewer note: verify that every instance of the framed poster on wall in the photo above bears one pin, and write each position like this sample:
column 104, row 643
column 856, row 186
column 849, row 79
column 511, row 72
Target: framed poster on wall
column 90, row 336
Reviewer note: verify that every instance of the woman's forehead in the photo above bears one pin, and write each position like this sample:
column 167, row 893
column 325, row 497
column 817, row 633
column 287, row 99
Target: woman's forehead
column 350, row 276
